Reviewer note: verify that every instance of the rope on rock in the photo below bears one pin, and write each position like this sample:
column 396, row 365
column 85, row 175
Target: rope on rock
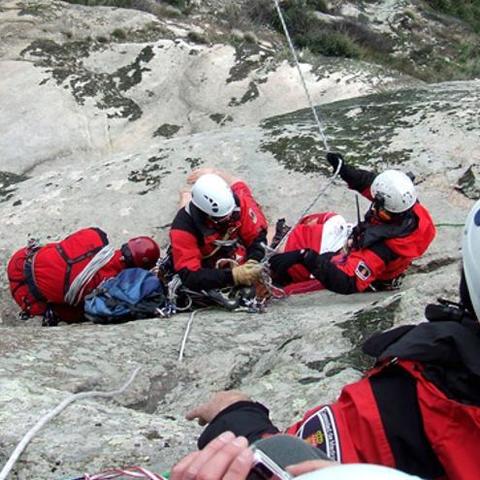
column 271, row 252
column 187, row 331
column 53, row 413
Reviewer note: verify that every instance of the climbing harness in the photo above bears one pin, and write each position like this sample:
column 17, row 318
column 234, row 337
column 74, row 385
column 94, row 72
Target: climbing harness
column 53, row 413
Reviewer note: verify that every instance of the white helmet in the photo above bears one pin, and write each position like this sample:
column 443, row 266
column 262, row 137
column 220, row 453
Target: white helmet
column 471, row 256
column 355, row 471
column 212, row 195
column 396, row 189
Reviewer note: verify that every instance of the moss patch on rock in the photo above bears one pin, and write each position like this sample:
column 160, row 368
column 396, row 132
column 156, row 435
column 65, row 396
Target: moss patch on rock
column 358, row 329
column 293, row 138
column 8, row 181
column 221, row 118
column 65, row 63
column 150, row 175
column 166, row 130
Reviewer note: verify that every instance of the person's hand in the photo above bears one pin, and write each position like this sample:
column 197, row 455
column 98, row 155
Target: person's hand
column 247, row 273
column 309, row 466
column 185, row 195
column 206, row 412
column 224, row 458
column 198, row 172
column 334, row 158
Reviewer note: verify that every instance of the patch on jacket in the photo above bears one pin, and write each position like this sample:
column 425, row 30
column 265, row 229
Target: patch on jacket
column 362, row 271
column 320, row 430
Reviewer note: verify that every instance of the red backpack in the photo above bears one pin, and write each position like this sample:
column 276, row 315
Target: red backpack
column 42, row 275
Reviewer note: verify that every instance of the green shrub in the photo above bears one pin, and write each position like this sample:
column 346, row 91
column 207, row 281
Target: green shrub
column 466, row 10
column 328, row 43
column 319, row 5
column 180, row 4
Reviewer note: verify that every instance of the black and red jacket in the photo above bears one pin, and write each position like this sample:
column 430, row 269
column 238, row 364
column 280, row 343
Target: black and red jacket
column 418, row 410
column 194, row 241
column 382, row 252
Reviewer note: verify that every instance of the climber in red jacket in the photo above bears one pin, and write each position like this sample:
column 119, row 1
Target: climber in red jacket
column 396, row 230
column 219, row 220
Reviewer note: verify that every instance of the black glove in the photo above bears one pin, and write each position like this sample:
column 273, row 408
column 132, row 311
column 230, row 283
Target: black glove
column 334, row 158
column 281, row 262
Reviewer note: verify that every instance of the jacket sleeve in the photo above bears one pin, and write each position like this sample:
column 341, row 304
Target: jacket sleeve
column 187, row 262
column 249, row 419
column 256, row 250
column 358, row 179
column 253, row 230
column 349, row 273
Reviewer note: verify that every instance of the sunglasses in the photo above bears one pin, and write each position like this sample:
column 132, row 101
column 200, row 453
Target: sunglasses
column 379, row 210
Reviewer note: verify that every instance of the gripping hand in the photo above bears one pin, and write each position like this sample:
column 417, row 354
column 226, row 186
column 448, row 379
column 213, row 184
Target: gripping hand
column 248, row 273
column 334, row 158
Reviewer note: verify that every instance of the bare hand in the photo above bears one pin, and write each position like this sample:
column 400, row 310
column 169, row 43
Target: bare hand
column 206, row 412
column 198, row 172
column 224, row 458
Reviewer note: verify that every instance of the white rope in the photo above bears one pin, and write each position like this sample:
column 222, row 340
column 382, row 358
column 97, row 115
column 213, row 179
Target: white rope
column 297, row 63
column 187, row 331
column 47, row 417
column 319, row 125
column 73, row 296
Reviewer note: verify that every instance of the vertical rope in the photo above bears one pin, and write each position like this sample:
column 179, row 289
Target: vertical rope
column 297, row 63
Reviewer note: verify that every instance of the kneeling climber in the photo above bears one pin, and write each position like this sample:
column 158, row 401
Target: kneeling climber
column 220, row 225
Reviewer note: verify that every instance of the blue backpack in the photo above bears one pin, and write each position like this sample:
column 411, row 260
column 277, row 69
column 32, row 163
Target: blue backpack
column 133, row 293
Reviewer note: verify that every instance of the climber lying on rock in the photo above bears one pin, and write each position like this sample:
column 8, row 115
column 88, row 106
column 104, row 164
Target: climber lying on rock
column 397, row 229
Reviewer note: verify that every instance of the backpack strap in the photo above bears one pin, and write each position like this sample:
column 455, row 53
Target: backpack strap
column 28, row 271
column 71, row 261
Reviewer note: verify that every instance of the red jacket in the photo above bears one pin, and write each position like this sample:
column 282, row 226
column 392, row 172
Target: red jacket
column 417, row 411
column 370, row 264
column 193, row 241
column 358, row 434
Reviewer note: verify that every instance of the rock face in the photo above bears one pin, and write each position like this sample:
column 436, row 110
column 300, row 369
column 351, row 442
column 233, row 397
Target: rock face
column 104, row 112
